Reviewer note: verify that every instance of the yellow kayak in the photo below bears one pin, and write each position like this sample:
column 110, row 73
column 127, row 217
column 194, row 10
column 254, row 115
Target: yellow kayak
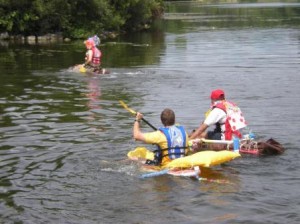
column 188, row 163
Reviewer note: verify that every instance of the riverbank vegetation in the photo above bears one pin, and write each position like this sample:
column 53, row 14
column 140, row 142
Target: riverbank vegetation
column 76, row 19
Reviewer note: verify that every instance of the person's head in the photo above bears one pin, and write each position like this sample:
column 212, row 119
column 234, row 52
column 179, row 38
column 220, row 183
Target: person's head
column 167, row 117
column 89, row 43
column 217, row 94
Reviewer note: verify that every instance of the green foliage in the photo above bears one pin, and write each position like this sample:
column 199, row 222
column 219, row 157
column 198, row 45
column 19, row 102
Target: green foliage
column 137, row 13
column 76, row 18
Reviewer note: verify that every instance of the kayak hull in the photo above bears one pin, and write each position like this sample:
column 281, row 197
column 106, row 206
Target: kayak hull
column 188, row 166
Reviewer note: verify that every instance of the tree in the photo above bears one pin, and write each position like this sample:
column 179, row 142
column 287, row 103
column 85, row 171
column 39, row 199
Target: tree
column 76, row 18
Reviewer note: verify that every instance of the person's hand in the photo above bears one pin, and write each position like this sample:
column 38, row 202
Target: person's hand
column 139, row 116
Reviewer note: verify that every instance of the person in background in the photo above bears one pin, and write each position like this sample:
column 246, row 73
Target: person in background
column 93, row 54
column 226, row 116
column 171, row 140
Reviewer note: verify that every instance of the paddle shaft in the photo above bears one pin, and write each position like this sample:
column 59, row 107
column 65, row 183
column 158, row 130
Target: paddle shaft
column 154, row 128
column 166, row 171
column 134, row 113
column 155, row 174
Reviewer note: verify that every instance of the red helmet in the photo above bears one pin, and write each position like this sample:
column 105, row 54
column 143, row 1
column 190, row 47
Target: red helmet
column 217, row 94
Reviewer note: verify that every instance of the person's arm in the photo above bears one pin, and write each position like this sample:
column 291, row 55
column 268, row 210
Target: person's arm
column 200, row 132
column 137, row 134
column 89, row 57
column 215, row 116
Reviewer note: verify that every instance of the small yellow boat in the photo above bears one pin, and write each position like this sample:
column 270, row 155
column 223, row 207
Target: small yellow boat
column 185, row 166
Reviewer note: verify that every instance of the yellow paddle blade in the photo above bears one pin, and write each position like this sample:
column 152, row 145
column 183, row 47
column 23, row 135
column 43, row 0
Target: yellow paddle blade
column 207, row 113
column 140, row 153
column 82, row 69
column 126, row 107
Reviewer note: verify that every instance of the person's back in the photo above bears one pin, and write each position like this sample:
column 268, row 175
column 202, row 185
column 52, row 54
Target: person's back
column 172, row 140
column 226, row 117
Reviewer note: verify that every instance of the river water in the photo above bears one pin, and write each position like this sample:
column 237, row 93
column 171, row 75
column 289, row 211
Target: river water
column 64, row 136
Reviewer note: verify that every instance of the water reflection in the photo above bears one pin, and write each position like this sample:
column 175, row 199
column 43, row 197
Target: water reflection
column 94, row 92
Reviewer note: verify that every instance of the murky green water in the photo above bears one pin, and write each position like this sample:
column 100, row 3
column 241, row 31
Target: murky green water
column 64, row 136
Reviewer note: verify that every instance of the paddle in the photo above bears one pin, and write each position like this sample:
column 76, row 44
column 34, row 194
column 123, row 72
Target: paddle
column 155, row 174
column 189, row 173
column 134, row 113
column 166, row 171
column 82, row 69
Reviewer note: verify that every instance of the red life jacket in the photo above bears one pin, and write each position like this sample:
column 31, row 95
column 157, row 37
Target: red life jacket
column 234, row 119
column 96, row 59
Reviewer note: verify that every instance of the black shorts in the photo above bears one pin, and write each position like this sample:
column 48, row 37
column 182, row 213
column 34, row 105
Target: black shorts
column 214, row 135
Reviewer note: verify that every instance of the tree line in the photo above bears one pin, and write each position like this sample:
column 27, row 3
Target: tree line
column 76, row 18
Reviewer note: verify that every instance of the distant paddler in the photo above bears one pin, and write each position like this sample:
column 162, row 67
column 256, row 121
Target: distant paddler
column 93, row 55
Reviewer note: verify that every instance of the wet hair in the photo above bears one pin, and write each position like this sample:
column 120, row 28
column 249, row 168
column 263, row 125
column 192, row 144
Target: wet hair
column 167, row 117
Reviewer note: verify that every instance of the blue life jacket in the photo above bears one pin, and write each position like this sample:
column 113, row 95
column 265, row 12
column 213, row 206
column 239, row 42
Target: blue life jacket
column 176, row 138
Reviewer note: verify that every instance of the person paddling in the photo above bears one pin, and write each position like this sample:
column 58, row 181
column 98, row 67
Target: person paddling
column 93, row 55
column 226, row 116
column 171, row 139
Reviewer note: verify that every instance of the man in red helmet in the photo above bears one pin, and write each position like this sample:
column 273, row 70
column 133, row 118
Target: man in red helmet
column 226, row 116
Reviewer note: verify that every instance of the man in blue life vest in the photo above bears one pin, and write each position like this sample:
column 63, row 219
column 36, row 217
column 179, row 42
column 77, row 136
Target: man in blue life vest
column 172, row 140
column 226, row 116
